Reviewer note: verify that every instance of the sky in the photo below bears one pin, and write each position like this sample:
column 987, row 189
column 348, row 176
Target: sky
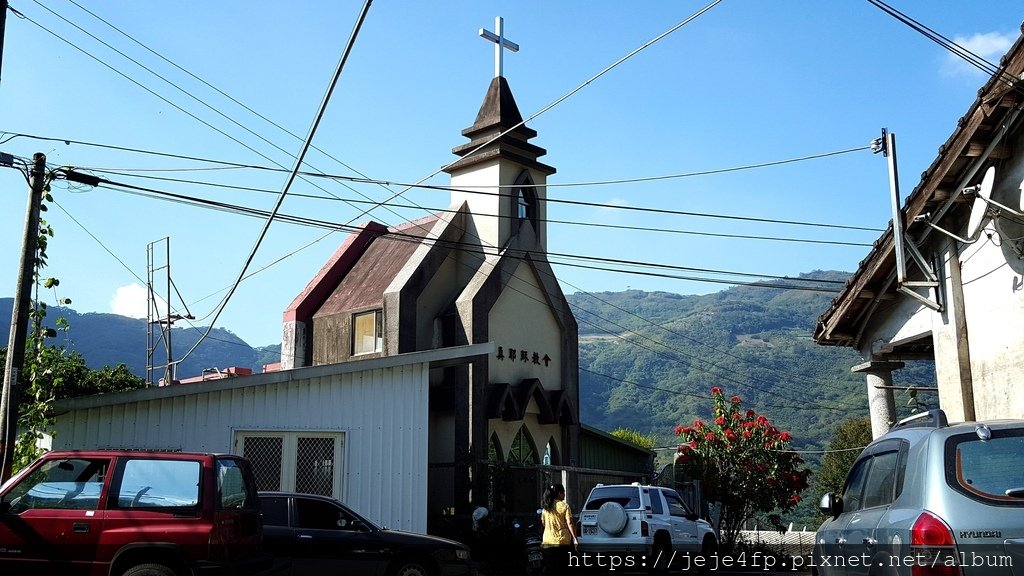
column 140, row 92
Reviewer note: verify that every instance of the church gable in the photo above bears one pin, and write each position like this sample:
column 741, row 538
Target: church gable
column 522, row 323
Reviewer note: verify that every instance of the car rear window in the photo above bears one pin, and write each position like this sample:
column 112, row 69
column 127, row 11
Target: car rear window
column 986, row 469
column 626, row 496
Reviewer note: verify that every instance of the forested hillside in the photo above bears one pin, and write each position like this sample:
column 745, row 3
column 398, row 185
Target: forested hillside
column 648, row 360
column 110, row 339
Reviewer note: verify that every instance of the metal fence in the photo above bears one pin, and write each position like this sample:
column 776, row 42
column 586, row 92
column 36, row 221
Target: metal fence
column 792, row 542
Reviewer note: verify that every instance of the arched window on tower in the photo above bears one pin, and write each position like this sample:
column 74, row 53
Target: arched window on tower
column 525, row 197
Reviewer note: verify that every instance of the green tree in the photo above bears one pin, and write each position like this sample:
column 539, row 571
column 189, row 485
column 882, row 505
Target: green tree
column 743, row 463
column 851, row 436
column 632, row 436
column 50, row 372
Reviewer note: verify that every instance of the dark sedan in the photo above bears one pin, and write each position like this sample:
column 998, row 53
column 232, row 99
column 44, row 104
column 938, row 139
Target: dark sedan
column 323, row 536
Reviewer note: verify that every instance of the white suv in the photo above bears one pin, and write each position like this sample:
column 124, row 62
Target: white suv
column 652, row 522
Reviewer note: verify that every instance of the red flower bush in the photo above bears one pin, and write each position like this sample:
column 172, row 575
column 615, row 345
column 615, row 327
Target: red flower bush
column 743, row 463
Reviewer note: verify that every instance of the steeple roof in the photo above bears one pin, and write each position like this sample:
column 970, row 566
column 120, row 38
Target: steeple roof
column 499, row 113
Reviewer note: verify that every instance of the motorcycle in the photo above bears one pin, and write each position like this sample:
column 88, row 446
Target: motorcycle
column 512, row 550
column 534, row 555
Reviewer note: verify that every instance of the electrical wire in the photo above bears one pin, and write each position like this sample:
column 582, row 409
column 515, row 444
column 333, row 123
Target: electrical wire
column 463, row 246
column 450, row 188
column 298, row 162
column 469, row 247
column 436, row 210
column 968, row 56
column 619, row 62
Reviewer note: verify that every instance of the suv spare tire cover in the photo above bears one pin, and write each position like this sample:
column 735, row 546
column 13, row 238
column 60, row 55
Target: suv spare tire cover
column 612, row 517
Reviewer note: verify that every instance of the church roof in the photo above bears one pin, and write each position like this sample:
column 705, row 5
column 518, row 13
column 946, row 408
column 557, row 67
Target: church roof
column 359, row 271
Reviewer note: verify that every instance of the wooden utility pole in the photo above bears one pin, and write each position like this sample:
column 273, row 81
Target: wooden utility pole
column 9, row 397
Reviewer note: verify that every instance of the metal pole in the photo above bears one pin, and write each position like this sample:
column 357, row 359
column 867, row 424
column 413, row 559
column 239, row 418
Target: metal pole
column 898, row 225
column 9, row 397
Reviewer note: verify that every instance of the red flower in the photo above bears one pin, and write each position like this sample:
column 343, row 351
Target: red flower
column 736, row 400
column 747, row 433
column 735, row 415
column 750, row 413
column 715, row 390
column 720, row 420
column 679, row 430
column 698, row 424
column 730, row 435
column 785, row 436
column 710, row 436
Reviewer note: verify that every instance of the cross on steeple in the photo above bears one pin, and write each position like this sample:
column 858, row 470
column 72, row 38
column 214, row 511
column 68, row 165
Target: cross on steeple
column 499, row 42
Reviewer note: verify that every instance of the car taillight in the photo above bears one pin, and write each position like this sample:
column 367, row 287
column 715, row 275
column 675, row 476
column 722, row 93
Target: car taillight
column 933, row 547
column 645, row 530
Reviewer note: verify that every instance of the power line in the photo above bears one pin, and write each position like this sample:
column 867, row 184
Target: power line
column 387, row 183
column 970, row 57
column 480, row 249
column 298, row 162
column 641, row 48
column 435, row 210
column 257, row 213
column 559, row 100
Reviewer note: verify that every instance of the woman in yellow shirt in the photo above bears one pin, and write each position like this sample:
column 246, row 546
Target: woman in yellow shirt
column 559, row 535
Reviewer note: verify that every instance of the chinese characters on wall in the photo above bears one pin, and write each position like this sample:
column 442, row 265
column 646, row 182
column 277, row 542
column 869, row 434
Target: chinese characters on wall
column 514, row 355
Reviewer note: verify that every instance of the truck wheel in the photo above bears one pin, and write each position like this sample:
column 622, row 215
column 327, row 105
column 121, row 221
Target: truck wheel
column 149, row 570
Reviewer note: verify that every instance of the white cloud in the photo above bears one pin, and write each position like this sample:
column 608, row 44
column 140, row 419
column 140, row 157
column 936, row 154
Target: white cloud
column 130, row 301
column 991, row 46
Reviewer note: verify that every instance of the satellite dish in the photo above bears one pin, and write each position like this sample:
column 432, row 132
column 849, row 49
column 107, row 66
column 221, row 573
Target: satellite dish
column 981, row 201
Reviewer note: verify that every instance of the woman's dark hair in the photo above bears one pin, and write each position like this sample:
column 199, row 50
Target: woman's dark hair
column 551, row 496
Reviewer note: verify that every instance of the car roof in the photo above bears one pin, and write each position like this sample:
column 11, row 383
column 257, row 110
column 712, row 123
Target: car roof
column 134, row 453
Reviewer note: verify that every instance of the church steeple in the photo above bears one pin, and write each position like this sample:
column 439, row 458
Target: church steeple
column 499, row 113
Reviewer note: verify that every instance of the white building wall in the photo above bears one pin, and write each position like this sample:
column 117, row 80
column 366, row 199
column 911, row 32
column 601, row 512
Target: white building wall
column 993, row 285
column 522, row 320
column 382, row 413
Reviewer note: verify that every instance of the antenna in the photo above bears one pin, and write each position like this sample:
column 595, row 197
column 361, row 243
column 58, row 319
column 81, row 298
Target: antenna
column 984, row 194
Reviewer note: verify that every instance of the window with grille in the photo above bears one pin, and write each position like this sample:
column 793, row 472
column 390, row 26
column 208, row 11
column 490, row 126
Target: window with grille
column 305, row 462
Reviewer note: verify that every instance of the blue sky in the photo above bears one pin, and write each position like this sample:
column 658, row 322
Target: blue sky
column 748, row 82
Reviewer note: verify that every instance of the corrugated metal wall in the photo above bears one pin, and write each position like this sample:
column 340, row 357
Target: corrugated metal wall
column 383, row 413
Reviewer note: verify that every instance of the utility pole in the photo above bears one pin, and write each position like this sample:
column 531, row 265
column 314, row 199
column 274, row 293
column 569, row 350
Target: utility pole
column 9, row 397
column 3, row 29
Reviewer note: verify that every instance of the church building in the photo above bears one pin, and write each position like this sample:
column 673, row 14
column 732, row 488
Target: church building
column 475, row 273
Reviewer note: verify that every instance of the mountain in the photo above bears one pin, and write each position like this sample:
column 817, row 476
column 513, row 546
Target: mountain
column 649, row 359
column 110, row 339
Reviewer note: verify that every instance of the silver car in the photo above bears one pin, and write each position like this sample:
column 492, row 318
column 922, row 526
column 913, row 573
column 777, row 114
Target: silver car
column 929, row 499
